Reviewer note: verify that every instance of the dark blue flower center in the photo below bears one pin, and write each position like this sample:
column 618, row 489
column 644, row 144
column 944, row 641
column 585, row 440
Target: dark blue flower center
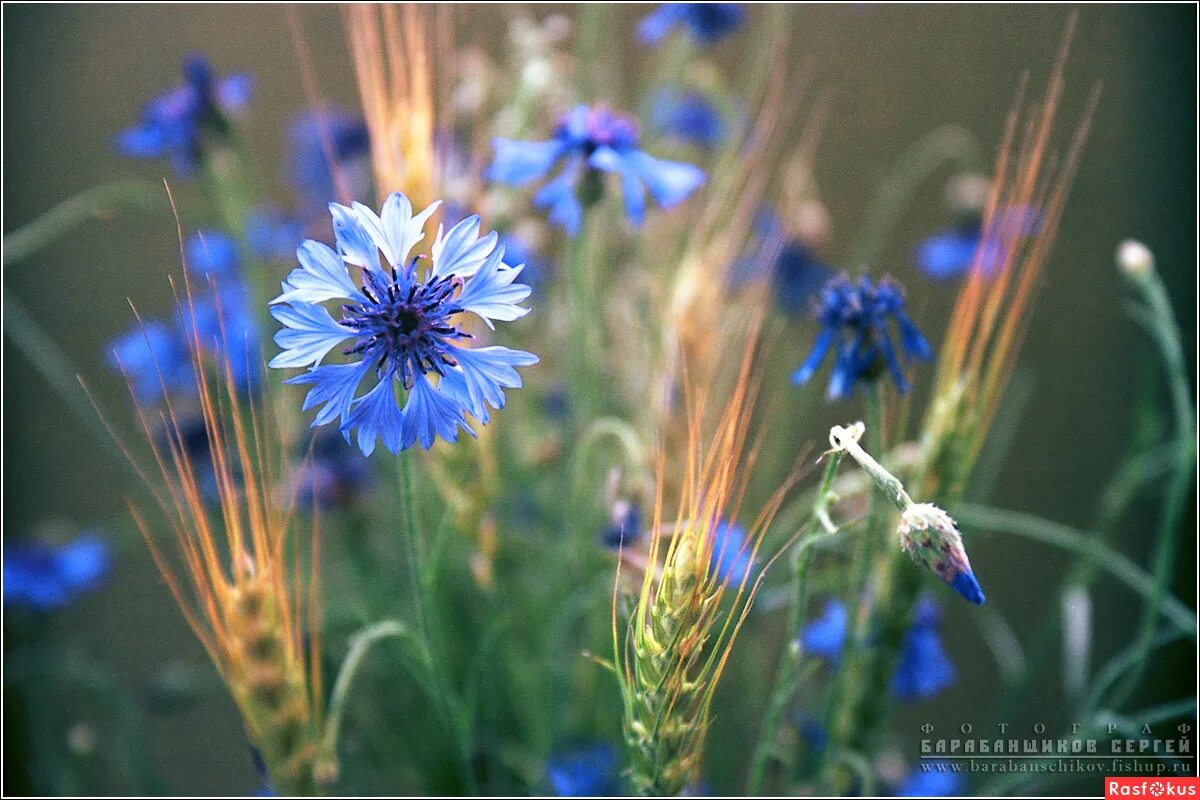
column 405, row 326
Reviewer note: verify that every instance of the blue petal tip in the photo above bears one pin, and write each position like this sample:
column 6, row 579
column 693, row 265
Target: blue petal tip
column 965, row 584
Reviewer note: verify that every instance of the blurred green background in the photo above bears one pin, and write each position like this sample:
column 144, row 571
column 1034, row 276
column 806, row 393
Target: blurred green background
column 76, row 75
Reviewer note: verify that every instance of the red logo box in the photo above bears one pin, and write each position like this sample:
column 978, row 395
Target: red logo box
column 1153, row 788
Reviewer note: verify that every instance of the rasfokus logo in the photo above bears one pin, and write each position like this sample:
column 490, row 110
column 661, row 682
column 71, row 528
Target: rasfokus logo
column 1151, row 787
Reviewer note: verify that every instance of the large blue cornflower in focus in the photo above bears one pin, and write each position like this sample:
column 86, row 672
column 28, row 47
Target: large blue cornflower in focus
column 173, row 124
column 707, row 23
column 45, row 577
column 924, row 669
column 403, row 323
column 856, row 321
column 586, row 142
column 586, row 770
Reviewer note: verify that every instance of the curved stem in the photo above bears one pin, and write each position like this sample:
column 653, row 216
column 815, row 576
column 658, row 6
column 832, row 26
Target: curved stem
column 74, row 211
column 360, row 643
column 949, row 143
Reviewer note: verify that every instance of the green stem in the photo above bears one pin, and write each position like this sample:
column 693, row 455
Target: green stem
column 360, row 643
column 788, row 676
column 36, row 343
column 972, row 516
column 585, row 331
column 74, row 211
column 949, row 143
column 1159, row 319
column 412, row 545
column 852, row 686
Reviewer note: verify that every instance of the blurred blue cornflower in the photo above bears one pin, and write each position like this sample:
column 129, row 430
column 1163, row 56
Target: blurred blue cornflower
column 585, row 770
column 274, row 234
column 332, row 475
column 537, row 269
column 792, row 266
column 173, row 124
column 932, row 779
column 45, row 577
column 586, row 142
column 732, row 558
column 854, row 319
column 707, row 23
column 924, row 669
column 154, row 355
column 626, row 526
column 688, row 117
column 404, row 325
column 950, row 252
column 321, row 142
column 825, row 635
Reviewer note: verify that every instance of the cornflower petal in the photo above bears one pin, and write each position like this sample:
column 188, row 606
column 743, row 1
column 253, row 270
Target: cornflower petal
column 461, row 251
column 322, row 276
column 483, row 375
column 492, row 294
column 353, row 241
column 429, row 414
column 309, row 335
column 334, row 385
column 518, row 163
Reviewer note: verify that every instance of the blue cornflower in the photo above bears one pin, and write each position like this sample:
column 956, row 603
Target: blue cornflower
column 950, row 252
column 333, row 475
column 706, row 22
column 315, row 139
column 689, row 117
column 212, row 252
column 586, row 142
column 273, row 234
column 404, row 325
column 854, row 317
column 923, row 669
column 732, row 559
column 154, row 355
column 173, row 124
column 45, row 577
column 932, row 779
column 796, row 273
column 537, row 269
column 825, row 635
column 586, row 770
column 626, row 526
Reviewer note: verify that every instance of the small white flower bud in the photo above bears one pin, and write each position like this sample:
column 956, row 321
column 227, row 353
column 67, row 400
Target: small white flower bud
column 1134, row 258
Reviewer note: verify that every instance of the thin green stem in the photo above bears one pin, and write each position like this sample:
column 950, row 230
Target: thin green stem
column 360, row 644
column 980, row 517
column 74, row 211
column 36, row 343
column 947, row 144
column 1159, row 319
column 851, row 687
column 789, row 676
column 413, row 547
